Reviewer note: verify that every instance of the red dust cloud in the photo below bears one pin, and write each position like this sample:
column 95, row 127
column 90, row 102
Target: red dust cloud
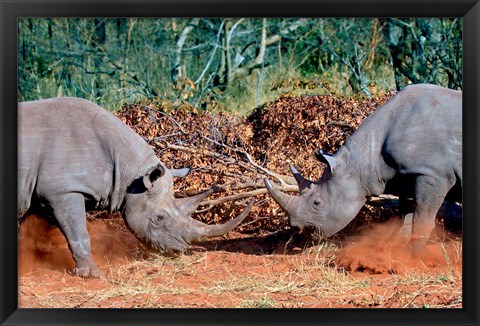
column 42, row 246
column 379, row 250
column 376, row 250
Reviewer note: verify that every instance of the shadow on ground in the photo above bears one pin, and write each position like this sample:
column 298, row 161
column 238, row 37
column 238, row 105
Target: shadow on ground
column 289, row 242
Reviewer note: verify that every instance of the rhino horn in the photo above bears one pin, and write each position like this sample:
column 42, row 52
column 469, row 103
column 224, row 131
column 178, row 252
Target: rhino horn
column 303, row 184
column 200, row 230
column 282, row 199
column 179, row 173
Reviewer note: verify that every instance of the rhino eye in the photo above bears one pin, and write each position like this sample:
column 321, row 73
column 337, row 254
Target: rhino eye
column 157, row 219
column 316, row 202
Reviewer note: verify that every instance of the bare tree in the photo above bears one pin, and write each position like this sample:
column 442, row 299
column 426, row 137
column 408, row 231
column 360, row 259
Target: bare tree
column 179, row 69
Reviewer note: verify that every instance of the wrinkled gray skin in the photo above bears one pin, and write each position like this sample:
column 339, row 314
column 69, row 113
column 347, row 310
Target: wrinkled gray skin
column 75, row 156
column 410, row 147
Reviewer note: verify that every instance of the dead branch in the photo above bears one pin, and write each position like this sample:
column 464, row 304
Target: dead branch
column 182, row 148
column 166, row 115
column 282, row 179
column 340, row 124
column 224, row 173
column 384, row 200
column 245, row 195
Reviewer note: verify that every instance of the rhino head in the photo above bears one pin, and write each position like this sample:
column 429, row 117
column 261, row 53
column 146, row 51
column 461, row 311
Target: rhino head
column 328, row 204
column 156, row 217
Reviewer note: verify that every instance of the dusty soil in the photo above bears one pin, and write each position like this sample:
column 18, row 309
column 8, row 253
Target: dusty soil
column 282, row 269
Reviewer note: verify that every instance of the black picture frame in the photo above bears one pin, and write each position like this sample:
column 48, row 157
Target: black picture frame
column 11, row 10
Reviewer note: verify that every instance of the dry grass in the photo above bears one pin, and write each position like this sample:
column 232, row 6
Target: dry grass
column 223, row 279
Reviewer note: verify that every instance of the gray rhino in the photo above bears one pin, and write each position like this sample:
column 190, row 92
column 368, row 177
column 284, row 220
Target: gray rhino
column 410, row 147
column 74, row 157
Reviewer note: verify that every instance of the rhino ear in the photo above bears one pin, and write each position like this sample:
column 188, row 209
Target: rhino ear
column 152, row 175
column 326, row 159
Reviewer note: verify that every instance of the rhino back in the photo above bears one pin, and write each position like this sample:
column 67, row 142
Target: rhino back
column 425, row 137
column 72, row 145
column 419, row 131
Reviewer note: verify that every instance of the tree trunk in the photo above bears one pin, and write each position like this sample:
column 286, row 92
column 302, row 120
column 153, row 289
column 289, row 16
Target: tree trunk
column 179, row 71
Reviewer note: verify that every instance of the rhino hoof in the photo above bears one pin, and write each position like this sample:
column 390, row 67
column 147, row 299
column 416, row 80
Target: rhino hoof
column 417, row 246
column 87, row 271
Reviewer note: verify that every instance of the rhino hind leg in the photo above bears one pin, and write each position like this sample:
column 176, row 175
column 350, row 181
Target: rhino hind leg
column 69, row 210
column 429, row 195
column 405, row 230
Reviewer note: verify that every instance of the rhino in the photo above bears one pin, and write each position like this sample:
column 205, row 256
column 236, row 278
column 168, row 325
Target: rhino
column 74, row 156
column 410, row 147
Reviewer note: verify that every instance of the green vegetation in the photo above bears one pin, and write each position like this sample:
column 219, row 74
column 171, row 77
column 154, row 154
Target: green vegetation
column 231, row 64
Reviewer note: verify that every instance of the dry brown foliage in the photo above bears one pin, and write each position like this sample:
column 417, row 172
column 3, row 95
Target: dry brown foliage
column 236, row 153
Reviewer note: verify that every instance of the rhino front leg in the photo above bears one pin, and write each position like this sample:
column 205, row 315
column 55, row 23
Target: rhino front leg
column 69, row 210
column 429, row 195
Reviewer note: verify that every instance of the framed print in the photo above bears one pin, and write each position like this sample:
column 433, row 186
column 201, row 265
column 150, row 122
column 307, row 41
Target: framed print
column 239, row 162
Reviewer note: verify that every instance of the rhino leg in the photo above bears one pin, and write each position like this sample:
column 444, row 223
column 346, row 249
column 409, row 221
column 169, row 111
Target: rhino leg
column 405, row 231
column 429, row 195
column 406, row 212
column 69, row 210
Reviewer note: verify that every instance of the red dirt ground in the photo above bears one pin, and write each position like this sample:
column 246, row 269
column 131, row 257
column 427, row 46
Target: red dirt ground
column 371, row 269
